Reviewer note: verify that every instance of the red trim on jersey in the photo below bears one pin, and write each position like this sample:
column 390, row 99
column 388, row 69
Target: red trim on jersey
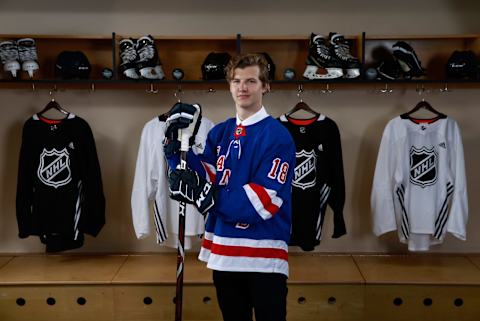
column 50, row 121
column 207, row 244
column 423, row 121
column 264, row 198
column 228, row 250
column 302, row 122
column 211, row 175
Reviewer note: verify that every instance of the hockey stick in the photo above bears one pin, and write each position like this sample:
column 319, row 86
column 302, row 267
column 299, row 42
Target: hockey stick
column 181, row 235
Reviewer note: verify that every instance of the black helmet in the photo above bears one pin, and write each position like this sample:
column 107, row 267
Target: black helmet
column 72, row 64
column 462, row 64
column 213, row 68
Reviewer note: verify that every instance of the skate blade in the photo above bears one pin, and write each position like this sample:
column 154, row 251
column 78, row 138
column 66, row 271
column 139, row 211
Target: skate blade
column 331, row 73
column 12, row 67
column 151, row 73
column 159, row 72
column 352, row 73
column 30, row 67
column 131, row 73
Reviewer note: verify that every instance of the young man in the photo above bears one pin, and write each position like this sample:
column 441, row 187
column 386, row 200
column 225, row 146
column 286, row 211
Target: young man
column 248, row 163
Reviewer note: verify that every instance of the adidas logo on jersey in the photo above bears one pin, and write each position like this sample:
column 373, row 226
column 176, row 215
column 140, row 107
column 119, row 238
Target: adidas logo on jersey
column 443, row 145
column 320, row 147
column 71, row 145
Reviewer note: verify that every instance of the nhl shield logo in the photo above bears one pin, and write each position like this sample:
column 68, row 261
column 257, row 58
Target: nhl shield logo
column 54, row 167
column 423, row 166
column 305, row 170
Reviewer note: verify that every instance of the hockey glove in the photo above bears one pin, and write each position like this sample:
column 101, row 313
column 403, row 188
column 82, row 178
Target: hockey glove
column 182, row 116
column 187, row 186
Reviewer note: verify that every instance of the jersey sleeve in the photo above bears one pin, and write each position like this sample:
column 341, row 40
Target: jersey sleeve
column 336, row 200
column 148, row 169
column 382, row 202
column 459, row 207
column 93, row 217
column 268, row 189
column 24, row 198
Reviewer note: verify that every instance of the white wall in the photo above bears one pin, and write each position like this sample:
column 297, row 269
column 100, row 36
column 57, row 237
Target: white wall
column 117, row 116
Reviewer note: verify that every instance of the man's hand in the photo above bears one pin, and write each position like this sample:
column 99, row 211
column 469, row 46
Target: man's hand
column 187, row 186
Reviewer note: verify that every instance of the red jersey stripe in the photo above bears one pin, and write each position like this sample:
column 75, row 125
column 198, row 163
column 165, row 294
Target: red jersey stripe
column 264, row 198
column 211, row 175
column 269, row 253
column 207, row 244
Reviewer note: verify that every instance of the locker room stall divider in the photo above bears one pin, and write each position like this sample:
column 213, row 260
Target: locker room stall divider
column 321, row 287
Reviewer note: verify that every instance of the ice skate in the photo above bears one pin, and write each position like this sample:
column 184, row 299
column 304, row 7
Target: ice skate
column 148, row 61
column 341, row 49
column 408, row 60
column 321, row 64
column 129, row 57
column 9, row 57
column 27, row 52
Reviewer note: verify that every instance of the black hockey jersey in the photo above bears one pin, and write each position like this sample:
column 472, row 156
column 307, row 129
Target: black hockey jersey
column 318, row 180
column 59, row 187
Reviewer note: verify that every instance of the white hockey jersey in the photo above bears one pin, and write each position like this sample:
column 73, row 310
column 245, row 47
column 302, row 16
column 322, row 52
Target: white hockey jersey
column 151, row 184
column 419, row 187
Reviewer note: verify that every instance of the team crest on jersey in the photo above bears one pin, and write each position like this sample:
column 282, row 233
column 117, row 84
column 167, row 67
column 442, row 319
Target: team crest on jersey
column 305, row 170
column 54, row 167
column 423, row 166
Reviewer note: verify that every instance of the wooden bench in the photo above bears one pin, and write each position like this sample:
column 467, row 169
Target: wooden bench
column 321, row 287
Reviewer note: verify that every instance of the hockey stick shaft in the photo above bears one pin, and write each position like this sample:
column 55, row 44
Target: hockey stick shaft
column 180, row 248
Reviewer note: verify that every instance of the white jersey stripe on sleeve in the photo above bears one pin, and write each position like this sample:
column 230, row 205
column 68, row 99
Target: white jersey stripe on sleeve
column 264, row 200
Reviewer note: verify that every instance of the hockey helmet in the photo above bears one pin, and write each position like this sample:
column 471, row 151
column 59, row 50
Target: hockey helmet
column 213, row 67
column 462, row 64
column 72, row 64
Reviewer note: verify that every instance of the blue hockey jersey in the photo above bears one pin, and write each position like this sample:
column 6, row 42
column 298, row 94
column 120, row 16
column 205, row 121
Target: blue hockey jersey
column 251, row 162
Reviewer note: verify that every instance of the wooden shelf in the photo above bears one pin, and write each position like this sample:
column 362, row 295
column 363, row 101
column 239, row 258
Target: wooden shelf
column 189, row 52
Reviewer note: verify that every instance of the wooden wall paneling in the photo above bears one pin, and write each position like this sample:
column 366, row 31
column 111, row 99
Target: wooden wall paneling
column 332, row 302
column 61, row 269
column 47, row 303
column 421, row 302
column 144, row 302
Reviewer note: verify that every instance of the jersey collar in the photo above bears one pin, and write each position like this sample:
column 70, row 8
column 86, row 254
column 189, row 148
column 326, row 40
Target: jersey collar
column 255, row 118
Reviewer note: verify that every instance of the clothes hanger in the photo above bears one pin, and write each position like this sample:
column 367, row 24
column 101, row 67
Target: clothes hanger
column 425, row 105
column 301, row 105
column 53, row 104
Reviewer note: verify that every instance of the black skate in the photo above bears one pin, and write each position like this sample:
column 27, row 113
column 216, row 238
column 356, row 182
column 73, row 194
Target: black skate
column 129, row 58
column 408, row 60
column 341, row 49
column 9, row 57
column 320, row 58
column 27, row 52
column 148, row 62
